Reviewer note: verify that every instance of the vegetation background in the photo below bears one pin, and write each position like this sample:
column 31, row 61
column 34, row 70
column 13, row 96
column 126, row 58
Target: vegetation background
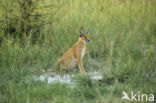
column 35, row 33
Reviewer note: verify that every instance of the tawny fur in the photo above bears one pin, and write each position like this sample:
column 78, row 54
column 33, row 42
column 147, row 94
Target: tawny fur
column 74, row 55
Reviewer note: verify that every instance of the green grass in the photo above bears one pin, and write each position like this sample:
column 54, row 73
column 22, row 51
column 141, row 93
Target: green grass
column 122, row 40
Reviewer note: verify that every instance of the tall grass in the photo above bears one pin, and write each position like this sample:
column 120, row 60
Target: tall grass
column 122, row 37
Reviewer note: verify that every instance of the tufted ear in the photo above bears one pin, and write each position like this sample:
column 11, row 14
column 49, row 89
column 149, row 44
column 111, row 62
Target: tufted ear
column 87, row 31
column 81, row 34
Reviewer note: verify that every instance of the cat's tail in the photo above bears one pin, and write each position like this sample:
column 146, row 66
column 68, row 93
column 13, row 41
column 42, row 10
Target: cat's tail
column 49, row 70
column 53, row 70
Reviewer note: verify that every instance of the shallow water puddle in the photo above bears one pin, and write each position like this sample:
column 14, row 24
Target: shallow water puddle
column 66, row 78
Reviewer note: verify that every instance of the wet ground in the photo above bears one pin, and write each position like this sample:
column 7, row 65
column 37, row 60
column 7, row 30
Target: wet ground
column 66, row 78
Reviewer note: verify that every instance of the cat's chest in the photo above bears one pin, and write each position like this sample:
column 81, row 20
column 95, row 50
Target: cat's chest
column 83, row 51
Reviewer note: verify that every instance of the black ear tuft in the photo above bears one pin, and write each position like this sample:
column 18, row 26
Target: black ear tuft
column 81, row 34
column 87, row 31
